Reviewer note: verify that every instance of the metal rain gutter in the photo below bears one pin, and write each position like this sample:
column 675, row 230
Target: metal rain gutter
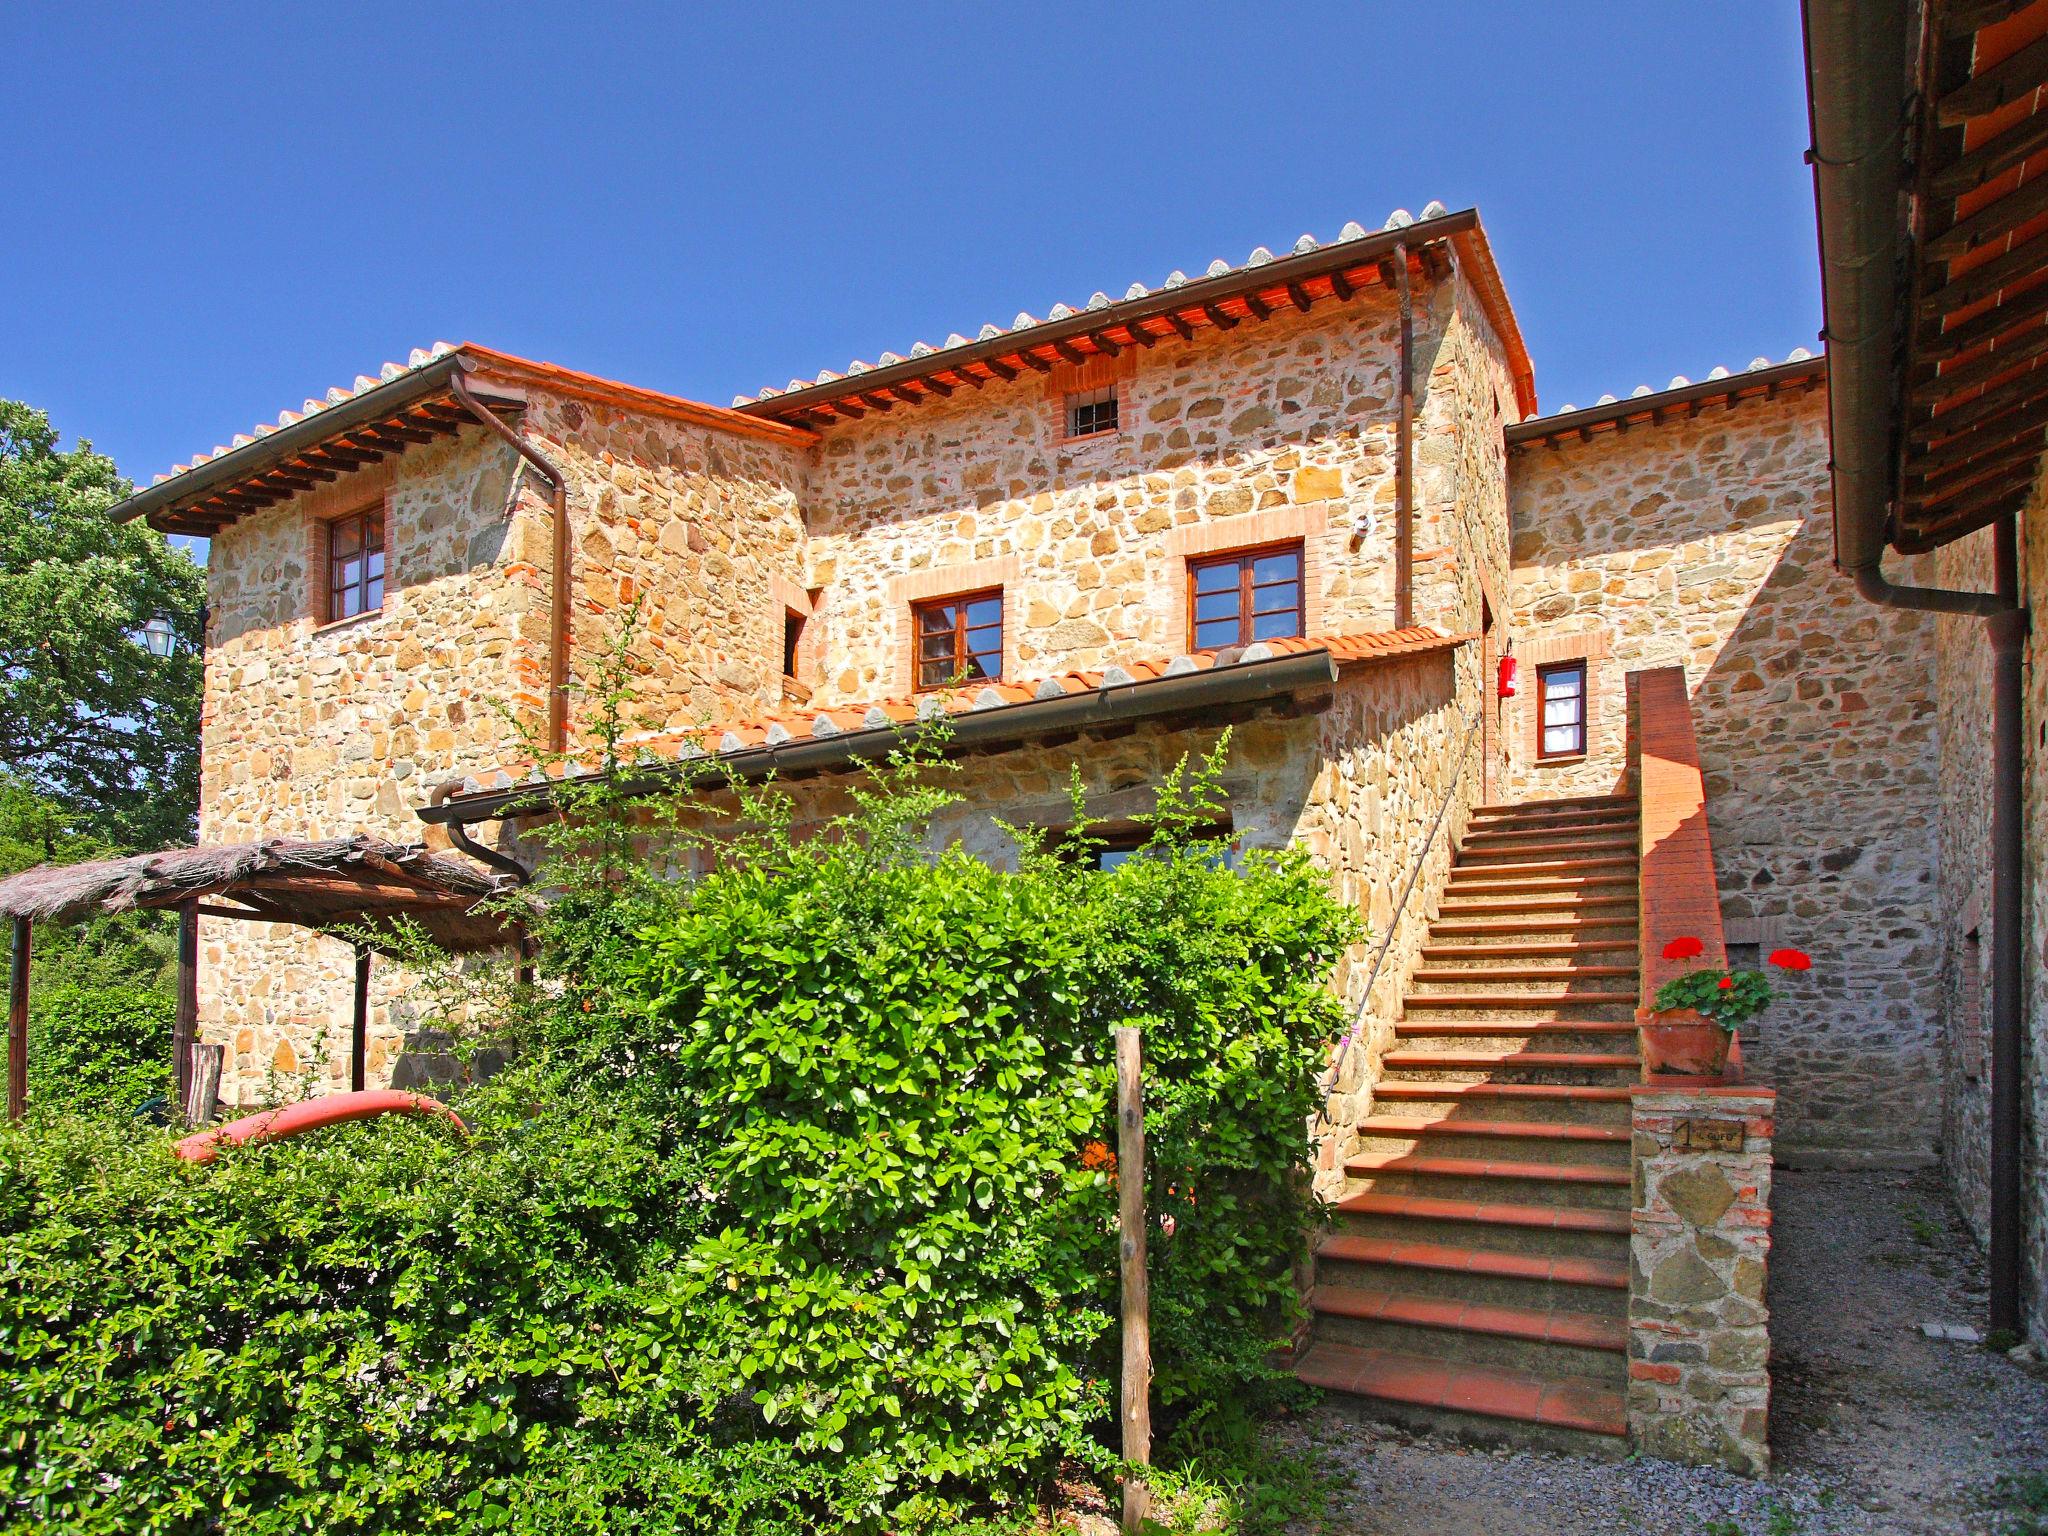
column 1239, row 683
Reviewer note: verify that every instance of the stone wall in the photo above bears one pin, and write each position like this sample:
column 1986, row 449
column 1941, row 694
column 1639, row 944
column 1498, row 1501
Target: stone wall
column 1706, row 543
column 1277, row 431
column 1274, row 431
column 318, row 730
column 1962, row 667
column 1700, row 1236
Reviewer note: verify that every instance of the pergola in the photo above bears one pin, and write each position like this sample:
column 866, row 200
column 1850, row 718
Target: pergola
column 361, row 888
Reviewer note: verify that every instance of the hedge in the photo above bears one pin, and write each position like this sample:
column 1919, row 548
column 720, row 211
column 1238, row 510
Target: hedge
column 795, row 1214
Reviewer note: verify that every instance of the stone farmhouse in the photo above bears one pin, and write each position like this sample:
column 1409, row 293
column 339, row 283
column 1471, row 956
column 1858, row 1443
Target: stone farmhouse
column 1539, row 690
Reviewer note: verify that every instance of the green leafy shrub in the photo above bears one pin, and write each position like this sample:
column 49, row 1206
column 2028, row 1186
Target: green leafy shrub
column 99, row 1048
column 792, row 1216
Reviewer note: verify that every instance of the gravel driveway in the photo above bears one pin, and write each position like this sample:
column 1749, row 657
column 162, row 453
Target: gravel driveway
column 1875, row 1427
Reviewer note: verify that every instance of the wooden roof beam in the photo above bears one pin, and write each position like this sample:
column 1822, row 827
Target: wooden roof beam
column 1340, row 288
column 1986, row 278
column 1069, row 351
column 2006, row 315
column 1298, row 297
column 1255, row 306
column 962, row 376
column 1930, row 479
column 1180, row 327
column 1959, row 376
column 2014, row 76
column 1220, row 320
column 2020, row 390
column 1135, row 329
column 999, row 369
column 1103, row 344
column 1917, row 536
column 2015, row 409
column 1993, row 221
column 1959, row 18
column 931, row 386
column 400, row 430
column 878, row 399
column 1031, row 359
column 1969, row 171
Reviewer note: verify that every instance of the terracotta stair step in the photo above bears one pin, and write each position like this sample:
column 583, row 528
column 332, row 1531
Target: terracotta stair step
column 1558, row 1093
column 1603, row 818
column 1557, row 804
column 1509, row 1002
column 1607, row 910
column 1509, row 1130
column 1566, row 917
column 1362, row 1164
column 1563, row 864
column 1497, row 1263
column 1491, row 1213
column 1509, row 835
column 1536, row 1027
column 1540, row 1325
column 1607, row 887
column 1486, row 973
column 1534, row 949
column 1473, row 851
column 1446, row 1061
column 1491, row 1391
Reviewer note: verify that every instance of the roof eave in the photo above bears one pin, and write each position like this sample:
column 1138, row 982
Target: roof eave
column 1192, row 295
column 308, row 432
column 1239, row 683
column 1766, row 381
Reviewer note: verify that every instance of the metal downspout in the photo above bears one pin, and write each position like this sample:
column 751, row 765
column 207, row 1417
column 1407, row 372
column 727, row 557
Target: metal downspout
column 458, row 834
column 1857, row 94
column 558, row 580
column 1404, row 451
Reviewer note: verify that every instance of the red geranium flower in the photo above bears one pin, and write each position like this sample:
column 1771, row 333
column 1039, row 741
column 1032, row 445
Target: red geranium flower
column 1792, row 959
column 1726, row 983
column 1684, row 949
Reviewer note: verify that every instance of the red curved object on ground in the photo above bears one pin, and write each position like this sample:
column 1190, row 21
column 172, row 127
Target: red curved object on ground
column 276, row 1124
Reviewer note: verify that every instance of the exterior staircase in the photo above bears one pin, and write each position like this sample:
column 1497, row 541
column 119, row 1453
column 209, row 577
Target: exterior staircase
column 1475, row 1275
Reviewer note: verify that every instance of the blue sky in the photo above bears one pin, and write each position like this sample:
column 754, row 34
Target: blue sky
column 216, row 210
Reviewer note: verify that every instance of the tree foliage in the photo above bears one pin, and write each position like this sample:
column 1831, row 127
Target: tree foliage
column 87, row 715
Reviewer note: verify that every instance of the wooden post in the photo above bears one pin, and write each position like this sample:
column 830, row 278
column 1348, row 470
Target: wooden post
column 185, row 1027
column 1137, row 1287
column 359, row 1030
column 17, row 1023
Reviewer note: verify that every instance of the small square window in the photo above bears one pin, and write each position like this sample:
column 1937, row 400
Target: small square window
column 355, row 564
column 1561, row 699
column 1235, row 599
column 959, row 639
column 1091, row 411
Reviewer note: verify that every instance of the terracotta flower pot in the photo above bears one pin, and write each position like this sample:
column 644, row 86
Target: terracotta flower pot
column 1682, row 1043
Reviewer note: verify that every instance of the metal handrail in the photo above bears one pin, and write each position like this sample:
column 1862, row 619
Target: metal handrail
column 1351, row 1035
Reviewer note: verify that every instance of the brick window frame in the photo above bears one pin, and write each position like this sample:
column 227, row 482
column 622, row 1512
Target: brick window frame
column 798, row 636
column 1580, row 668
column 1604, row 704
column 1247, row 561
column 1094, row 412
column 960, row 624
column 1305, row 524
column 367, row 527
column 906, row 591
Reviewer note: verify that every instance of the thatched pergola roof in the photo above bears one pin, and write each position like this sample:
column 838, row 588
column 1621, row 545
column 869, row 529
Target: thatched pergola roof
column 356, row 883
